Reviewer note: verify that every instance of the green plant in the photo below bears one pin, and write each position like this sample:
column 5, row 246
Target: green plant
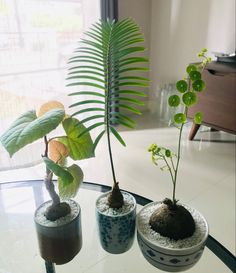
column 32, row 126
column 105, row 63
column 189, row 88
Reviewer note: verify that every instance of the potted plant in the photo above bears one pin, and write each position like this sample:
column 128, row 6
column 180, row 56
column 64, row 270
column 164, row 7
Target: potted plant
column 172, row 235
column 105, row 65
column 58, row 224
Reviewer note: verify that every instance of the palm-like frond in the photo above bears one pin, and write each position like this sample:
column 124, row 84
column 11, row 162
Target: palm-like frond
column 107, row 62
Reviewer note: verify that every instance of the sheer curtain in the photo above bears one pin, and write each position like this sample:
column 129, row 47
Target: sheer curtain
column 36, row 39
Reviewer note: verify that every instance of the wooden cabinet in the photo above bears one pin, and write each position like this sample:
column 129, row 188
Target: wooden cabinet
column 218, row 101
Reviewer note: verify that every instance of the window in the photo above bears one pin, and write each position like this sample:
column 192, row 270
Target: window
column 36, row 40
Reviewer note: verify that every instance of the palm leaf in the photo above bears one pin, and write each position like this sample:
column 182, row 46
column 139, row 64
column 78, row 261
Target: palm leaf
column 132, row 92
column 94, row 109
column 109, row 51
column 91, row 93
column 130, row 100
column 86, row 66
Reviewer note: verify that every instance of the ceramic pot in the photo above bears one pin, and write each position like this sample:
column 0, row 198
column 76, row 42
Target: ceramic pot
column 60, row 240
column 167, row 254
column 116, row 229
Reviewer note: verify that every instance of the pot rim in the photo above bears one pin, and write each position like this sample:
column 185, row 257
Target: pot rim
column 182, row 249
column 57, row 226
column 118, row 215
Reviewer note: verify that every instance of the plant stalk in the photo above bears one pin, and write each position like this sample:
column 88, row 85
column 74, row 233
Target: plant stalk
column 110, row 154
column 177, row 163
column 108, row 84
column 48, row 180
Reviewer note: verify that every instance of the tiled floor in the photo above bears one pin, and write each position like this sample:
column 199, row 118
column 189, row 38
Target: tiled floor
column 206, row 178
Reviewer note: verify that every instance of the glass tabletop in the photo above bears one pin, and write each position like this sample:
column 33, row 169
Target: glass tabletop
column 19, row 251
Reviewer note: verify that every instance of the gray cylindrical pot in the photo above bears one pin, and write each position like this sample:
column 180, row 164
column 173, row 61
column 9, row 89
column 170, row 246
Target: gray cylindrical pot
column 60, row 240
column 116, row 228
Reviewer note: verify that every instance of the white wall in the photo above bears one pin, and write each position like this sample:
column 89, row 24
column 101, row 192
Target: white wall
column 221, row 27
column 180, row 29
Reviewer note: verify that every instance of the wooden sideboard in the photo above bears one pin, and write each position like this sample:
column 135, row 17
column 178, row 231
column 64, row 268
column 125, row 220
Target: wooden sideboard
column 218, row 101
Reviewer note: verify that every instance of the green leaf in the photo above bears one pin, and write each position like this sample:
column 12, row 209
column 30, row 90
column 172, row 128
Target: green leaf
column 91, row 118
column 132, row 92
column 89, row 93
column 199, row 85
column 84, row 58
column 91, row 128
column 119, row 120
column 70, row 190
column 129, row 50
column 182, row 86
column 94, row 109
column 195, row 75
column 198, row 118
column 180, row 118
column 133, row 78
column 85, row 77
column 28, row 128
column 191, row 68
column 174, row 100
column 167, row 153
column 122, row 116
column 134, row 101
column 79, row 148
column 59, row 171
column 93, row 68
column 86, row 72
column 117, row 135
column 98, row 138
column 87, row 102
column 133, row 69
column 142, row 84
column 87, row 84
column 189, row 98
column 133, row 60
column 130, row 108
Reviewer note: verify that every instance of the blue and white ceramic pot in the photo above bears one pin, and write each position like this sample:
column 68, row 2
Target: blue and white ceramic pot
column 167, row 254
column 116, row 227
column 60, row 240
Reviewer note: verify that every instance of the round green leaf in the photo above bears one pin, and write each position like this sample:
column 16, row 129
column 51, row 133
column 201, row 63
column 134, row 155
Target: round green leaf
column 198, row 118
column 195, row 75
column 180, row 118
column 182, row 86
column 174, row 100
column 199, row 85
column 189, row 98
column 191, row 68
column 168, row 153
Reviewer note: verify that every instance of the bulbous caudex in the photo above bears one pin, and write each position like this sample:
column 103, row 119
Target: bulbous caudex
column 115, row 198
column 172, row 220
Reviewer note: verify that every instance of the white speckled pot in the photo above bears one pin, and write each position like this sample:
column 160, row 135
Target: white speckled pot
column 116, row 232
column 60, row 244
column 165, row 257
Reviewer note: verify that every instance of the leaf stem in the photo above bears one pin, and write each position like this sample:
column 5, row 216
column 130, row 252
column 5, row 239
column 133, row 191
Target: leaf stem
column 177, row 163
column 169, row 168
column 48, row 179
